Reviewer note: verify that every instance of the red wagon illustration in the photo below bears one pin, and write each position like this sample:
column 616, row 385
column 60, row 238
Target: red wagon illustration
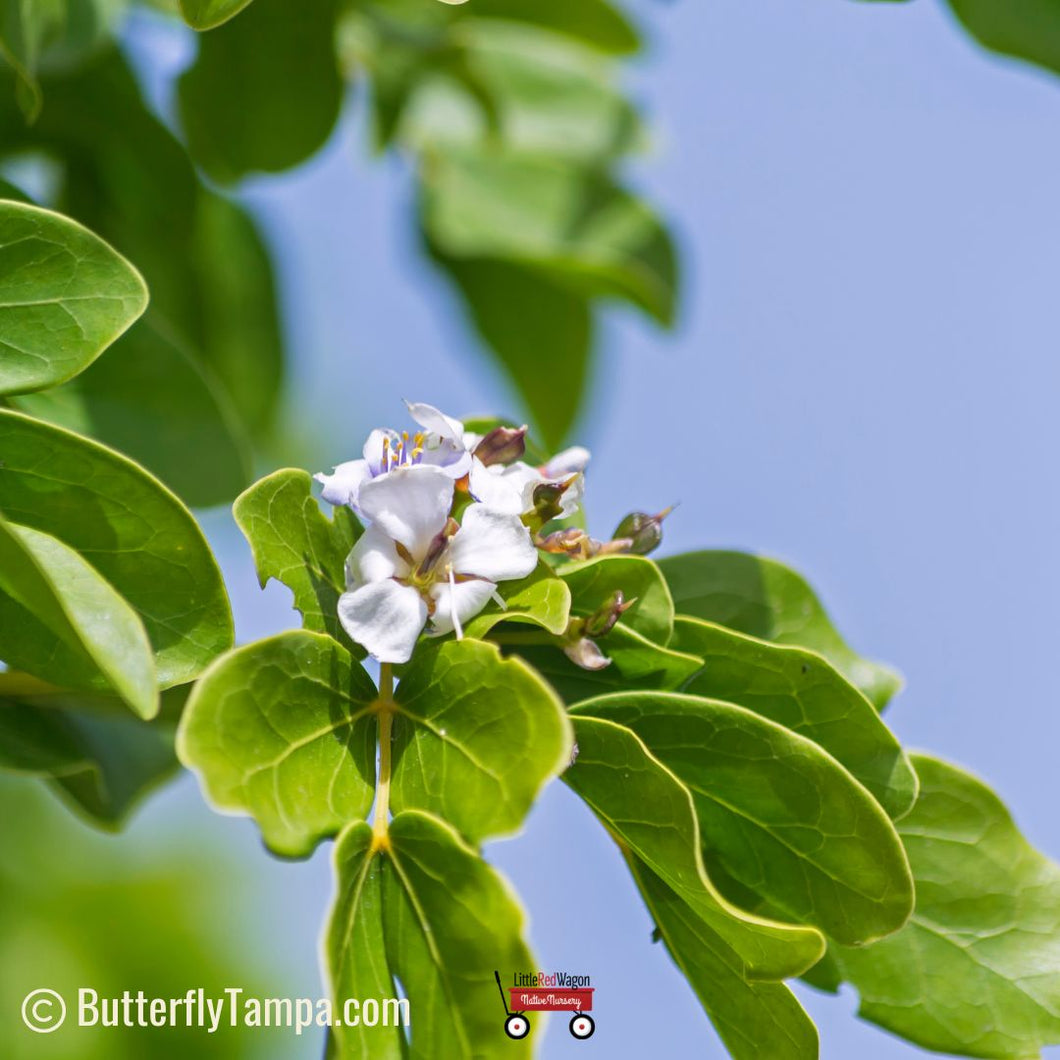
column 524, row 999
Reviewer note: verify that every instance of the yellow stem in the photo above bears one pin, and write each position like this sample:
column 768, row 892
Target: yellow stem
column 384, row 707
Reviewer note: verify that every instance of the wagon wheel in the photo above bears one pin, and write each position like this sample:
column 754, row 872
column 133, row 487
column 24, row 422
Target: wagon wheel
column 517, row 1026
column 582, row 1026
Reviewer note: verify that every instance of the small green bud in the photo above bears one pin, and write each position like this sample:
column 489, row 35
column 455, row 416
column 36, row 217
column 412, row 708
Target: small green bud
column 603, row 620
column 643, row 531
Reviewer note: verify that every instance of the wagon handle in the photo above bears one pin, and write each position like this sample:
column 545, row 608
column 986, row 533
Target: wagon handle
column 504, row 1000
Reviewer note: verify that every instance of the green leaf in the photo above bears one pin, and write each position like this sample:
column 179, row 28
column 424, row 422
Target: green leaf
column 102, row 760
column 801, row 691
column 1026, row 29
column 569, row 221
column 427, row 912
column 296, row 544
column 593, row 581
column 23, row 30
column 544, row 350
column 754, row 1020
column 124, row 175
column 763, row 598
column 776, row 812
column 65, row 295
column 63, row 622
column 595, row 22
column 977, row 969
column 650, row 812
column 476, row 737
column 205, row 14
column 265, row 92
column 636, row 662
column 155, row 402
column 132, row 530
column 540, row 599
column 284, row 730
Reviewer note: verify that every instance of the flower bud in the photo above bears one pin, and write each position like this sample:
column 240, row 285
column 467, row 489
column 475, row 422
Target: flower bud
column 586, row 653
column 548, row 502
column 643, row 531
column 437, row 547
column 603, row 620
column 569, row 542
column 502, row 445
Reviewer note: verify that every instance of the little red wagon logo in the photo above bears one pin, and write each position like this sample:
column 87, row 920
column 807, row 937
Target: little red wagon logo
column 547, row 992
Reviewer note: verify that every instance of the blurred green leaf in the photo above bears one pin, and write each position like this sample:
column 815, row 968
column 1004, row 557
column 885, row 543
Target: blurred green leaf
column 155, row 402
column 754, row 1020
column 596, row 22
column 125, row 176
column 776, row 812
column 23, row 29
column 430, row 914
column 573, row 224
column 88, row 747
column 975, row 971
column 205, row 14
column 651, row 813
column 283, row 730
column 64, row 623
column 135, row 533
column 544, row 348
column 460, row 710
column 65, row 296
column 801, row 691
column 265, row 91
column 296, row 544
column 763, row 598
column 1025, row 29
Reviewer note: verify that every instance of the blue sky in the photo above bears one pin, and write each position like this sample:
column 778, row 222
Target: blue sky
column 864, row 383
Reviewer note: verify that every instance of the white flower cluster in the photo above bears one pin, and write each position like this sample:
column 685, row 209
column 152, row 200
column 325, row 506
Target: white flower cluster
column 415, row 564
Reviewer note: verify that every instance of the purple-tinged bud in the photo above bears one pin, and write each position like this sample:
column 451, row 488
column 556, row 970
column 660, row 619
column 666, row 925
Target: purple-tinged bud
column 439, row 543
column 603, row 620
column 569, row 542
column 502, row 445
column 586, row 653
column 548, row 502
column 642, row 530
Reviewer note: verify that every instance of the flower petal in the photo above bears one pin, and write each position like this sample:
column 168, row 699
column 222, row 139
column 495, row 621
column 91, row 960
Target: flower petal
column 372, row 559
column 468, row 597
column 410, row 504
column 385, row 618
column 509, row 490
column 573, row 459
column 450, row 456
column 342, row 486
column 373, row 449
column 442, row 425
column 491, row 545
column 573, row 497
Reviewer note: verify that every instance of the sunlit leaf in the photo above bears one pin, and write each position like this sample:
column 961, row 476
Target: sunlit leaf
column 754, row 1020
column 977, row 969
column 476, row 737
column 132, row 530
column 650, row 811
column 593, row 582
column 427, row 912
column 205, row 14
column 759, row 596
column 802, row 691
column 283, row 730
column 64, row 623
column 775, row 812
column 65, row 295
column 540, row 599
column 297, row 545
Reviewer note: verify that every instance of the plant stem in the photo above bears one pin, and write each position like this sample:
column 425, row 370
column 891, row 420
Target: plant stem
column 385, row 712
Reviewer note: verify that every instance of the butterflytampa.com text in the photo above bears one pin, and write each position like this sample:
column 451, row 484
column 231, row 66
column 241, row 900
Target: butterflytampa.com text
column 233, row 1008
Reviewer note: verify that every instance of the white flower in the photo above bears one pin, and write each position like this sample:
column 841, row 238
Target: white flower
column 510, row 489
column 414, row 563
column 440, row 445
